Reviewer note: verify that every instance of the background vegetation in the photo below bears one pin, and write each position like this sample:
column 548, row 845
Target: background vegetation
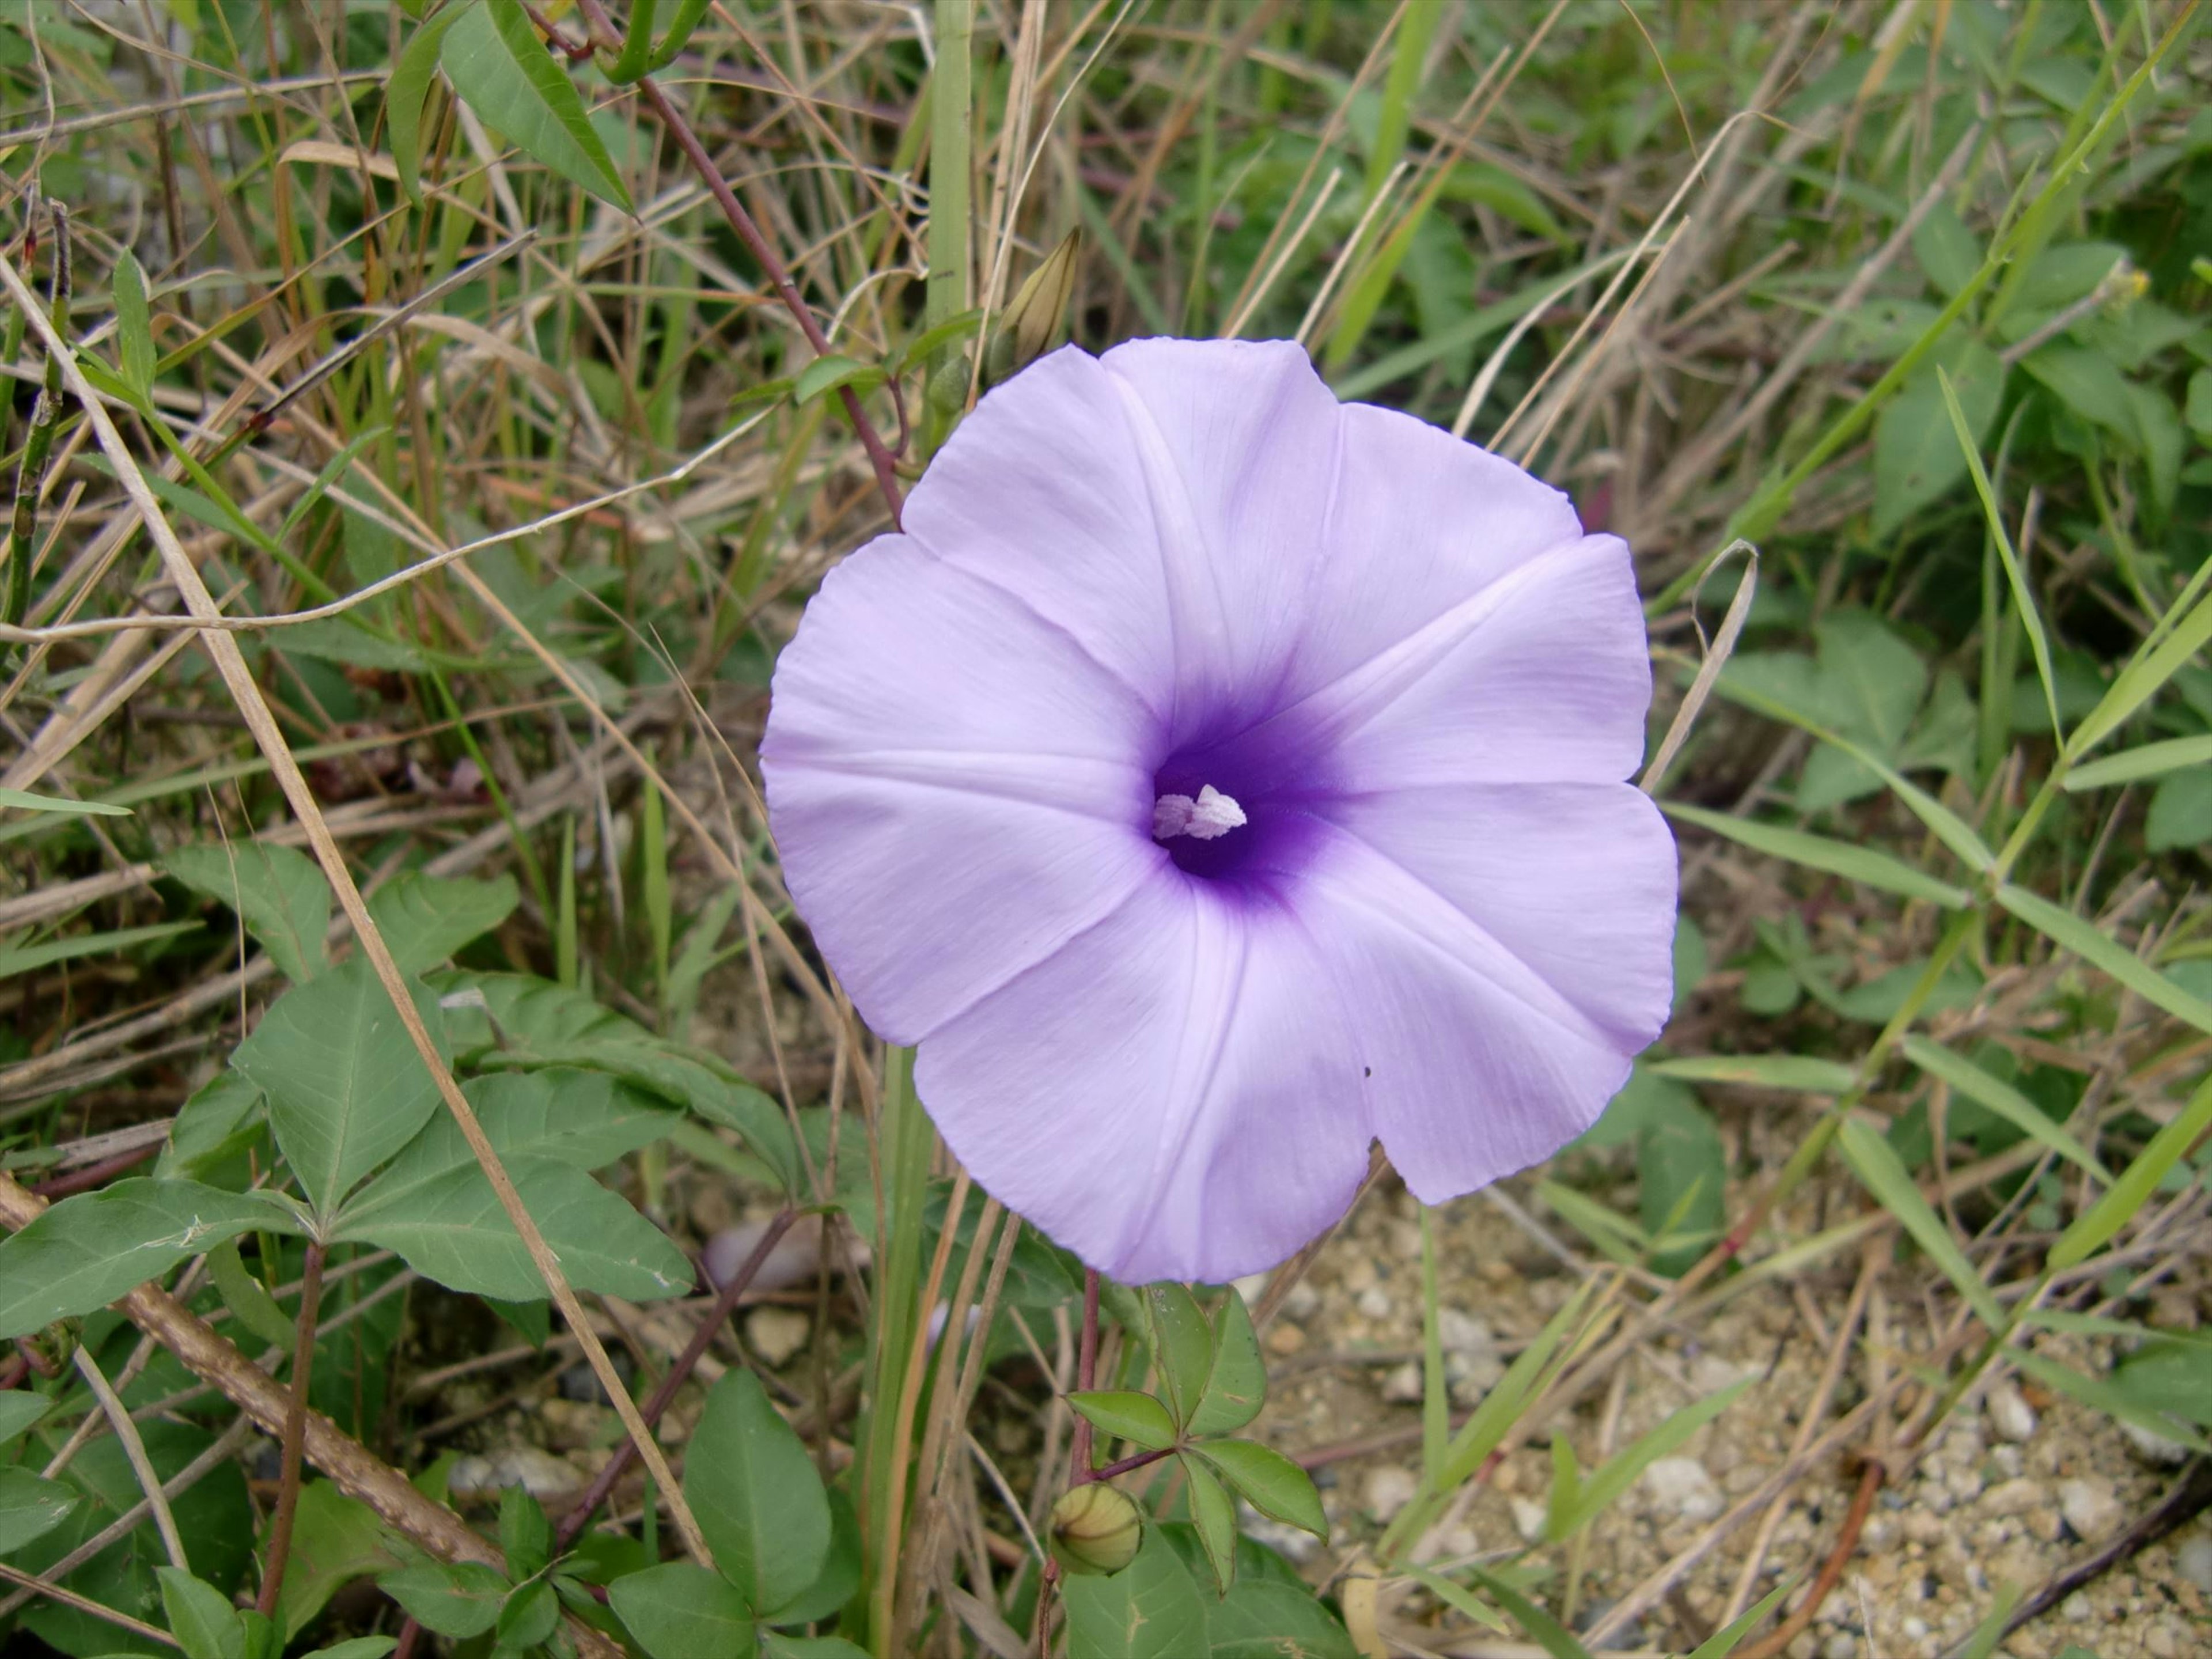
column 547, row 380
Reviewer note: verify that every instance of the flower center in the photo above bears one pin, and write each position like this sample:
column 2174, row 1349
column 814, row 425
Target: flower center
column 1207, row 817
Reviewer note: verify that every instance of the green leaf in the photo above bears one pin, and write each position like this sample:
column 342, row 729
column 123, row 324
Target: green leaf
column 409, row 88
column 1150, row 1609
column 2142, row 676
column 526, row 1536
column 2000, row 1097
column 2125, row 1198
column 85, row 1251
column 425, row 919
column 1916, row 457
column 460, row 1599
column 1681, row 1175
column 219, row 1121
column 588, row 1119
column 201, row 1618
column 2166, row 1378
column 1604, row 1484
column 61, row 806
column 29, row 956
column 134, row 327
column 2104, row 1394
column 760, row 1504
column 2089, row 383
column 681, row 1611
column 19, row 1409
column 30, row 1507
column 278, row 892
column 247, row 1298
column 1883, row 1174
column 1798, row 1073
column 528, row 1617
column 1548, row 1632
column 501, row 70
column 450, row 1226
column 1723, row 1642
column 1236, row 1386
column 357, row 1647
column 775, row 1645
column 335, row 1540
column 839, row 1577
column 2180, row 811
column 1839, row 857
column 2070, row 932
column 525, row 1022
column 1269, row 1482
column 2147, row 759
column 346, row 1088
column 1214, row 1515
column 1182, row 1345
column 1136, row 1418
column 829, row 373
column 2023, row 596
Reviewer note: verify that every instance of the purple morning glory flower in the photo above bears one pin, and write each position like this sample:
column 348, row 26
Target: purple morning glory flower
column 1213, row 778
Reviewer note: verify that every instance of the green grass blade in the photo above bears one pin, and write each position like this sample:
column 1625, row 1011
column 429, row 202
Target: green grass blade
column 2148, row 760
column 1838, row 858
column 2000, row 1097
column 1885, row 1176
column 2064, row 928
column 2127, row 1196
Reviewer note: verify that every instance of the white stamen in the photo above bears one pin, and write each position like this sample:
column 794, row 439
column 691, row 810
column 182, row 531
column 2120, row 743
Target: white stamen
column 1211, row 816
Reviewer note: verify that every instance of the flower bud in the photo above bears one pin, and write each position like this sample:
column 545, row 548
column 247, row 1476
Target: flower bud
column 1095, row 1529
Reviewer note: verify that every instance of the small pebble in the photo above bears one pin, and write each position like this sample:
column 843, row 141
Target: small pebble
column 795, row 1260
column 1528, row 1518
column 1916, row 1630
column 2091, row 1509
column 536, row 1470
column 2192, row 1559
column 1285, row 1339
column 2009, row 1413
column 1302, row 1302
column 2076, row 1609
column 1461, row 1332
column 1403, row 1386
column 2153, row 1448
column 1388, row 1489
column 1375, row 1302
column 1842, row 1645
column 1680, row 1485
column 2013, row 1498
column 777, row 1333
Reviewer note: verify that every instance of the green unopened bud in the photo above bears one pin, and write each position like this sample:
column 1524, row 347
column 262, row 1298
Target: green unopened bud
column 1095, row 1529
column 1039, row 311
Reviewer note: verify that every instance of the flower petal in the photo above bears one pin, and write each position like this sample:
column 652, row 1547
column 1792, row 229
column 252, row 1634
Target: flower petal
column 1040, row 493
column 956, row 789
column 1170, row 1095
column 1422, row 522
column 1239, row 442
column 1575, row 880
column 1540, row 677
column 1481, row 1060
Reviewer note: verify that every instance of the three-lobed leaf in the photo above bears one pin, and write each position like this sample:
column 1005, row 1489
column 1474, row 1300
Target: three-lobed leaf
column 346, row 1087
column 425, row 919
column 278, row 892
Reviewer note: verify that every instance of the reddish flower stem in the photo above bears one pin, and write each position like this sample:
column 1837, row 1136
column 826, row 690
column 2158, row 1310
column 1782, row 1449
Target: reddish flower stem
column 725, row 1302
column 1133, row 1461
column 605, row 36
column 295, row 1431
column 1086, row 1379
column 94, row 1175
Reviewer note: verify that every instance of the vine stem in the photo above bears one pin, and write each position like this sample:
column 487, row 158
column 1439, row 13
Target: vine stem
column 725, row 1302
column 606, row 38
column 295, row 1431
column 1086, row 1379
